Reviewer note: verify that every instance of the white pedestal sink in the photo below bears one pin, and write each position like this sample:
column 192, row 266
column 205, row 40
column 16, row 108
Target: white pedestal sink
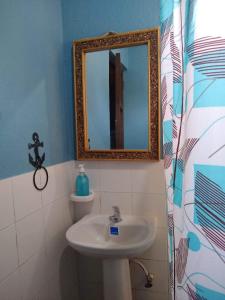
column 117, row 283
column 91, row 236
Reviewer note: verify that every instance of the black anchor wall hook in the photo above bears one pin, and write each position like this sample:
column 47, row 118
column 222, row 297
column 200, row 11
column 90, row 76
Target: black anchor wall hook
column 37, row 162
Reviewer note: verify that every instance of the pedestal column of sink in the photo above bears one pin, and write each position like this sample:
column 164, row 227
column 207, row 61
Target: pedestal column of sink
column 117, row 283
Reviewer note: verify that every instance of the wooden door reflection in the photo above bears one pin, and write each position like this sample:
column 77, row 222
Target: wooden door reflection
column 116, row 83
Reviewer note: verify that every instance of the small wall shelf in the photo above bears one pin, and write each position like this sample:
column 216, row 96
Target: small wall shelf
column 80, row 199
column 82, row 205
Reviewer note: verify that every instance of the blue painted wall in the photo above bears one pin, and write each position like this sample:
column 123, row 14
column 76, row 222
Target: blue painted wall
column 36, row 90
column 89, row 18
column 32, row 95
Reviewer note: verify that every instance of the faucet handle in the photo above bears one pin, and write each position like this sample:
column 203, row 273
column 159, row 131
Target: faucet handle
column 116, row 209
column 115, row 218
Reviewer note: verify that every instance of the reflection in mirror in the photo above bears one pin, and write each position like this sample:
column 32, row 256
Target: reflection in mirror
column 117, row 98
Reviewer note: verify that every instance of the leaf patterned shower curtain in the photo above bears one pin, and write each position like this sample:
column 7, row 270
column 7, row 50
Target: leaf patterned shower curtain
column 193, row 110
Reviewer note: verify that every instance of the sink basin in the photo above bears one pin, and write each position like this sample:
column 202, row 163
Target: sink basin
column 91, row 236
column 94, row 236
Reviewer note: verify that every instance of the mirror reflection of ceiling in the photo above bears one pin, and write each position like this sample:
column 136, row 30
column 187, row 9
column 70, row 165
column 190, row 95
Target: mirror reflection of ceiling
column 117, row 98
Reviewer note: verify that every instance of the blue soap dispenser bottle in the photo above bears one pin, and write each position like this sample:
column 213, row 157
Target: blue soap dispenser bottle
column 82, row 182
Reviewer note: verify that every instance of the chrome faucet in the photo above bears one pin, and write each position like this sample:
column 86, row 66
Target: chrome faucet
column 115, row 218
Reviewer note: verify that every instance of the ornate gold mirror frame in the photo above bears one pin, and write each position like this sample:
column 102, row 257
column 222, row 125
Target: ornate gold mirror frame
column 150, row 37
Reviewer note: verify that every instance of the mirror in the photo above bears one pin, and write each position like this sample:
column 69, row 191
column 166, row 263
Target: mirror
column 117, row 96
column 117, row 99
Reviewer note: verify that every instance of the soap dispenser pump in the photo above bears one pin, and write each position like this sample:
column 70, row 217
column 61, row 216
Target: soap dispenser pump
column 82, row 182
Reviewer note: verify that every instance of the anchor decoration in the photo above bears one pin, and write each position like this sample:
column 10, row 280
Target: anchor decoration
column 37, row 163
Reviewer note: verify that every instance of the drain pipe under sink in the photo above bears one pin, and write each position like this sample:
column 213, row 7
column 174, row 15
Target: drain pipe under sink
column 149, row 277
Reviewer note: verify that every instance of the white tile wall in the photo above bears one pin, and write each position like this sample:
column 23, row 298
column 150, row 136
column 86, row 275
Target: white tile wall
column 11, row 287
column 148, row 178
column 6, row 204
column 26, row 198
column 159, row 270
column 30, row 235
column 152, row 205
column 60, row 182
column 115, row 180
column 44, row 292
column 33, row 275
column 34, row 256
column 97, row 203
column 8, row 253
column 158, row 251
column 109, row 199
column 35, row 261
column 137, row 188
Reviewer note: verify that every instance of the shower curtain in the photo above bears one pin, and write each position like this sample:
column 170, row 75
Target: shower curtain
column 193, row 112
